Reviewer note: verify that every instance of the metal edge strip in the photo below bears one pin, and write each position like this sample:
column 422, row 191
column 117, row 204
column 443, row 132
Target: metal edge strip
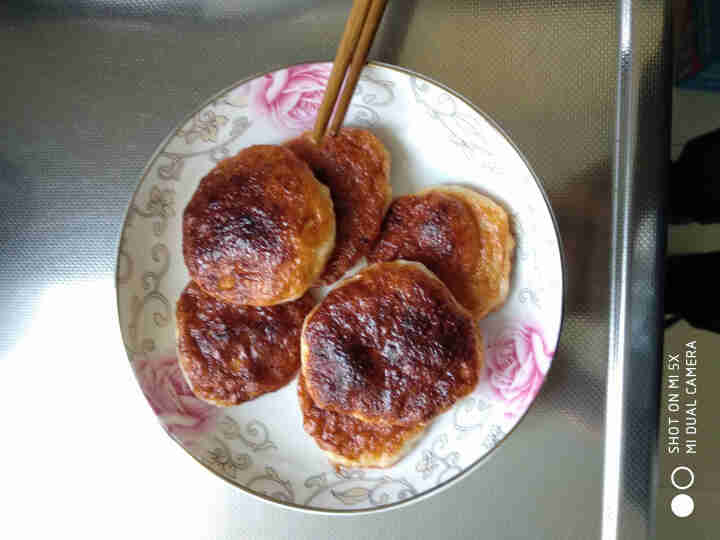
column 620, row 271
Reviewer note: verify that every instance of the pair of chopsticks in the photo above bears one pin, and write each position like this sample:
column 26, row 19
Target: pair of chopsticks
column 351, row 56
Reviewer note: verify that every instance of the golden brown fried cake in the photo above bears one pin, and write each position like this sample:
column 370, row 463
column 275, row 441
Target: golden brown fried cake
column 460, row 235
column 259, row 229
column 350, row 442
column 230, row 354
column 355, row 165
column 391, row 346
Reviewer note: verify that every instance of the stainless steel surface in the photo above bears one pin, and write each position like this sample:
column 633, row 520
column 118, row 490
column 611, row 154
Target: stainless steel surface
column 82, row 113
column 631, row 417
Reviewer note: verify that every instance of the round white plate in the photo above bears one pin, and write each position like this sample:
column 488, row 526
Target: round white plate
column 435, row 137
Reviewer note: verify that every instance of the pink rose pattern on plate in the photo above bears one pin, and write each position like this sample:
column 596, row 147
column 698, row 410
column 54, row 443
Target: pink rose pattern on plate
column 516, row 360
column 290, row 97
column 181, row 413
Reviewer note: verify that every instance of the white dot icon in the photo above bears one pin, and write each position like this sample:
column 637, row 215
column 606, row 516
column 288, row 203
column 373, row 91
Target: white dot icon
column 682, row 505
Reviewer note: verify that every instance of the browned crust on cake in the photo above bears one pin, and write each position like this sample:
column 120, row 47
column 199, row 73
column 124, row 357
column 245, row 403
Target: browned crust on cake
column 230, row 354
column 390, row 345
column 355, row 165
column 259, row 229
column 350, row 442
column 460, row 235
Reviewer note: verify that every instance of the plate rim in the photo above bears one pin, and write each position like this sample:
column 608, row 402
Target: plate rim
column 473, row 467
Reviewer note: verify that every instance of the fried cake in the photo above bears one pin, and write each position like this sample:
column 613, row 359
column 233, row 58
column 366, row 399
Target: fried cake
column 390, row 346
column 460, row 235
column 350, row 442
column 259, row 229
column 230, row 354
column 355, row 165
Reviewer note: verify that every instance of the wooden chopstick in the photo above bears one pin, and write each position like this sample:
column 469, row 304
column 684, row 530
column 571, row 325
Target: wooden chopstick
column 377, row 8
column 344, row 54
